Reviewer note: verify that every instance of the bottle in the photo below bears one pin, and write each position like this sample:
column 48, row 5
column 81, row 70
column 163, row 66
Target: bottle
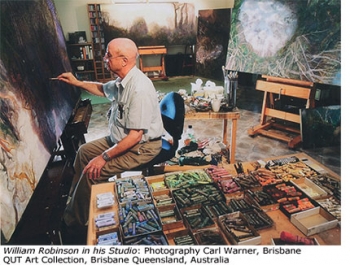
column 189, row 135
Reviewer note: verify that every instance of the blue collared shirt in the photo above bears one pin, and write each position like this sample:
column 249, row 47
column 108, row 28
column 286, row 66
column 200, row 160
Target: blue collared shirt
column 134, row 106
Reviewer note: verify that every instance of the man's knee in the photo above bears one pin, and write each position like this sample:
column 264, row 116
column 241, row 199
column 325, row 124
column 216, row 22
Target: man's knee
column 83, row 148
column 84, row 154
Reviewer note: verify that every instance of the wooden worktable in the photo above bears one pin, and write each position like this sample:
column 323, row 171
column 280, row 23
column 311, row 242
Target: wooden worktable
column 153, row 50
column 225, row 116
column 281, row 221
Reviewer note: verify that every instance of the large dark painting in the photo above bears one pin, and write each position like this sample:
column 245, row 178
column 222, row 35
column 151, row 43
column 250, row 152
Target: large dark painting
column 150, row 24
column 212, row 40
column 34, row 109
column 321, row 127
column 287, row 38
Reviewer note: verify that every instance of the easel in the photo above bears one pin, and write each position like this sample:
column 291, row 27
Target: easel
column 273, row 86
column 153, row 50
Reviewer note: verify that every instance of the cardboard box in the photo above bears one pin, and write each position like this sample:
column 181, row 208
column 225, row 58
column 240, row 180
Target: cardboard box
column 272, row 206
column 331, row 205
column 157, row 238
column 210, row 236
column 129, row 225
column 178, row 234
column 133, row 188
column 267, row 204
column 228, row 186
column 117, row 240
column 309, row 188
column 196, row 218
column 279, row 242
column 290, row 198
column 313, row 221
column 187, row 178
column 236, row 237
column 156, row 183
column 162, row 198
column 214, row 210
column 170, row 222
column 201, row 194
column 260, row 220
column 234, row 195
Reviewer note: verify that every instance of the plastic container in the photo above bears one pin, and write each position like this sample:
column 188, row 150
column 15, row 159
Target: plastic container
column 189, row 135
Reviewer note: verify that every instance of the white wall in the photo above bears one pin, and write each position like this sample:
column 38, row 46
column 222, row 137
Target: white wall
column 74, row 17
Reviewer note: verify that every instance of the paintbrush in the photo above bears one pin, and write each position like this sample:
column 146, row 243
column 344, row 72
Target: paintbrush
column 224, row 71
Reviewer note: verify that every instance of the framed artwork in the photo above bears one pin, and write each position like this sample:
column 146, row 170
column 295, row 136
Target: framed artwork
column 321, row 126
column 150, row 24
column 34, row 109
column 212, row 40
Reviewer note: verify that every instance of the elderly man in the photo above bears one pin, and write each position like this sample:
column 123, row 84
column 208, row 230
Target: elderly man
column 135, row 127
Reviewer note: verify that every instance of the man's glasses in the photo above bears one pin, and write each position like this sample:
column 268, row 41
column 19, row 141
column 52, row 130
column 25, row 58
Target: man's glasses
column 110, row 57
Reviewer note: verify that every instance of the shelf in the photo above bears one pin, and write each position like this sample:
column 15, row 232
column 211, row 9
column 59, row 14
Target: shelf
column 98, row 42
column 81, row 60
column 87, row 72
column 81, row 44
column 81, row 55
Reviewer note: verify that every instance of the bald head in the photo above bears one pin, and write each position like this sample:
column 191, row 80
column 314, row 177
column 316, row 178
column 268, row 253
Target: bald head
column 124, row 47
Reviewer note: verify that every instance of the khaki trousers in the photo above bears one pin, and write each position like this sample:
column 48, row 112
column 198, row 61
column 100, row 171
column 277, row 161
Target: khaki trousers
column 77, row 210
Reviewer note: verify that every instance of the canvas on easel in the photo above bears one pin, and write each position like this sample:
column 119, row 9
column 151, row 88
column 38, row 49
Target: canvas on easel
column 34, row 108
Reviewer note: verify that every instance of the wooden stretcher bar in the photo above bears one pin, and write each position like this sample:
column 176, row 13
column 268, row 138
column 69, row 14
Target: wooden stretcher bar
column 153, row 50
column 273, row 86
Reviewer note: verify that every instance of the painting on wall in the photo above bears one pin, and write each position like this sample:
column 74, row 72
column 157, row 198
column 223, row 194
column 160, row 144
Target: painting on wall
column 34, row 109
column 290, row 39
column 212, row 41
column 150, row 24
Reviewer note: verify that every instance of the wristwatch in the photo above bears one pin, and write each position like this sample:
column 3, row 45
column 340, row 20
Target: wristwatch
column 106, row 157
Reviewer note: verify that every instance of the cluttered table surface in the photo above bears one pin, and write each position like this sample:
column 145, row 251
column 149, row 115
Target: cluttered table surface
column 315, row 225
column 225, row 116
column 211, row 102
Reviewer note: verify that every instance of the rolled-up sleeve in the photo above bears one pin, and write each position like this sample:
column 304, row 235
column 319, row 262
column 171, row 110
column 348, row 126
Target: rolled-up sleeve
column 109, row 89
